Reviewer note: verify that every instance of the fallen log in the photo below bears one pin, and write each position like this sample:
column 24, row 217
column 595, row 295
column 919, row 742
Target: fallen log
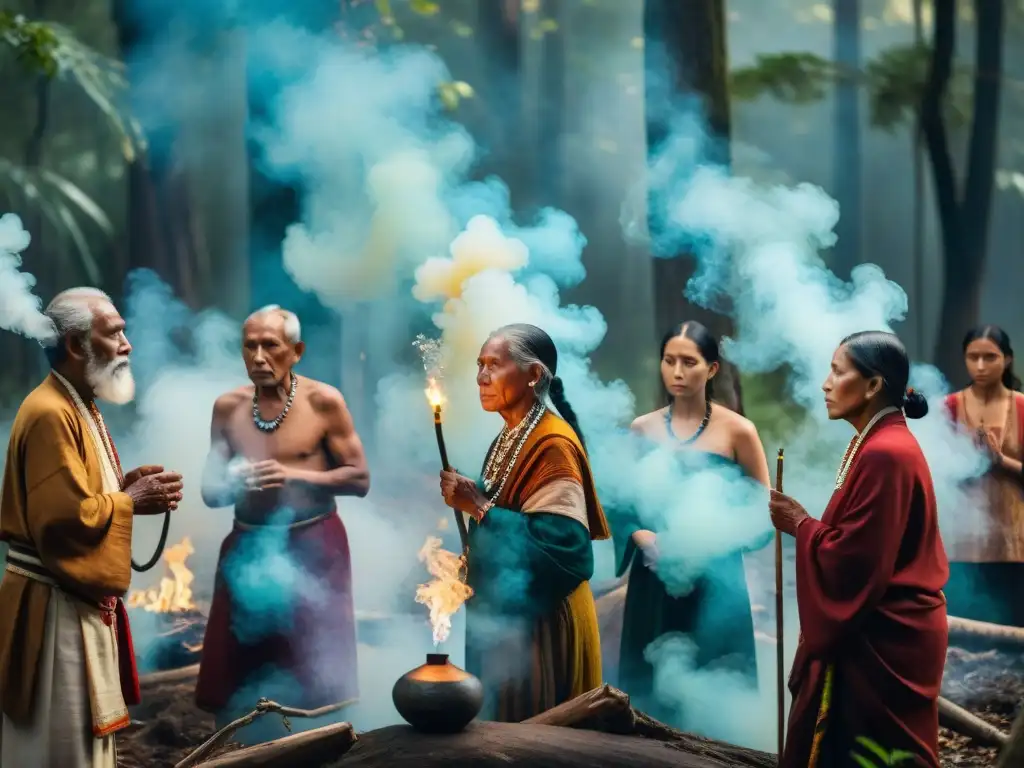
column 971, row 632
column 960, row 720
column 502, row 745
column 605, row 705
column 180, row 675
column 310, row 748
column 607, row 710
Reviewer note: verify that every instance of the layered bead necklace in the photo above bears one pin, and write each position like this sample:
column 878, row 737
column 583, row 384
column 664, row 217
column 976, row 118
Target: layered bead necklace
column 507, row 447
column 271, row 426
column 851, row 450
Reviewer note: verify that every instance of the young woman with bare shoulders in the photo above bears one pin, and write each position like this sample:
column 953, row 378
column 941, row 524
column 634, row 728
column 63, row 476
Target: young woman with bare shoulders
column 716, row 612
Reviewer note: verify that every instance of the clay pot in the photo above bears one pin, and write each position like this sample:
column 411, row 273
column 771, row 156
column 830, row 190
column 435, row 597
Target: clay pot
column 438, row 697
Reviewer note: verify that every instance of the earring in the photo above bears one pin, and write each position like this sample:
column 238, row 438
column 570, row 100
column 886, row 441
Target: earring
column 533, row 383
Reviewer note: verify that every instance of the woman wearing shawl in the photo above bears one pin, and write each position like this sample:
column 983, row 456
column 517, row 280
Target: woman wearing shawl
column 869, row 576
column 532, row 633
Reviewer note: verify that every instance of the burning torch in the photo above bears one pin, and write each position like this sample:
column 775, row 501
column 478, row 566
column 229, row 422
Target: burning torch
column 435, row 398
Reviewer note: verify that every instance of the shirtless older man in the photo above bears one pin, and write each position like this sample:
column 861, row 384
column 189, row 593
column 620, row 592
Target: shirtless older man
column 282, row 622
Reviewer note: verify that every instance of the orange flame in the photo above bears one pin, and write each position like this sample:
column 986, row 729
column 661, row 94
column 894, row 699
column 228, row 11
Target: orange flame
column 433, row 392
column 446, row 592
column 174, row 595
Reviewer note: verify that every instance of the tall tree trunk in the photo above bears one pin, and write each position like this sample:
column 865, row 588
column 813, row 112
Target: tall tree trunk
column 920, row 311
column 165, row 233
column 693, row 34
column 964, row 222
column 846, row 129
column 542, row 83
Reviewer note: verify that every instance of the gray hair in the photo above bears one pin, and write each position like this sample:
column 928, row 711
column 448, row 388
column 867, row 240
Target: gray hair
column 521, row 350
column 292, row 326
column 71, row 314
column 529, row 345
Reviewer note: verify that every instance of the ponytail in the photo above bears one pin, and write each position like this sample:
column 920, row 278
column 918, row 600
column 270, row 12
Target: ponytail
column 556, row 392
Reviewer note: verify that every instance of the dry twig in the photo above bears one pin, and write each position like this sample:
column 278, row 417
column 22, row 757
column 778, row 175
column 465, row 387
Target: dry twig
column 263, row 707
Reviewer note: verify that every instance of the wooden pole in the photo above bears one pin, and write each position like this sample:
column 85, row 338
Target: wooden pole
column 460, row 521
column 780, row 662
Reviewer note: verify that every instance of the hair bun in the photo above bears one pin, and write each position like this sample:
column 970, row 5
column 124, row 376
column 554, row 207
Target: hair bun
column 915, row 405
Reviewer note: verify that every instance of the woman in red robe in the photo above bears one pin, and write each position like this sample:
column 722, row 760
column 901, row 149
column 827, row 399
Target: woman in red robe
column 870, row 575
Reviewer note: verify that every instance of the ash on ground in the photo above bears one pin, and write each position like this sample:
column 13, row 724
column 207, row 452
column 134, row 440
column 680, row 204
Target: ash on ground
column 990, row 685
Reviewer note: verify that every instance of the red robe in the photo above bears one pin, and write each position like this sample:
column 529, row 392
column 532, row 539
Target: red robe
column 293, row 641
column 870, row 575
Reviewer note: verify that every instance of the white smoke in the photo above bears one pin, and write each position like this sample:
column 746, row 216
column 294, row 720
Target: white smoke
column 19, row 307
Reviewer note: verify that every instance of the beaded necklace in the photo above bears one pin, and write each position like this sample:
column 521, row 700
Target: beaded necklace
column 855, row 444
column 700, row 429
column 271, row 426
column 496, row 460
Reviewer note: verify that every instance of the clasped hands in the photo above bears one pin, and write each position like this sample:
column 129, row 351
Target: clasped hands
column 153, row 490
column 462, row 494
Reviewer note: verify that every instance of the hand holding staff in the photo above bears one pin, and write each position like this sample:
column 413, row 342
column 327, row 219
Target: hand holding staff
column 780, row 675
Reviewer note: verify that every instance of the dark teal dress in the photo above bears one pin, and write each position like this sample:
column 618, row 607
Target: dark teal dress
column 715, row 614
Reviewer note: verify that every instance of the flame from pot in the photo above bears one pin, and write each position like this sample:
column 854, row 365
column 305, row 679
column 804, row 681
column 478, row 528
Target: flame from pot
column 445, row 593
column 174, row 595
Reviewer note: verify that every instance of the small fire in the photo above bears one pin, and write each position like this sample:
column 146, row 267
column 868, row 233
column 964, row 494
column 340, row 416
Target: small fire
column 433, row 393
column 174, row 595
column 446, row 592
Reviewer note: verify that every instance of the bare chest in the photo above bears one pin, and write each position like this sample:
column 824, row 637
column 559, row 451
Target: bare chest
column 298, row 441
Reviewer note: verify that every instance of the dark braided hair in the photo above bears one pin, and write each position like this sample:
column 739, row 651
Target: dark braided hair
column 529, row 345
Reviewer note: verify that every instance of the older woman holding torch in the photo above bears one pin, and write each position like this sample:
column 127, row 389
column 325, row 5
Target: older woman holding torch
column 869, row 576
column 532, row 634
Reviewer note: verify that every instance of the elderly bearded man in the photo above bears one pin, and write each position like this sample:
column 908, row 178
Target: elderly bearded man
column 67, row 669
column 282, row 622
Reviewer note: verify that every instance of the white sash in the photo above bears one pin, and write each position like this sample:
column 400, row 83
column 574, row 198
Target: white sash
column 99, row 637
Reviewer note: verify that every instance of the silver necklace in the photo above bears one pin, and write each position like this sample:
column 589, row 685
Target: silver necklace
column 494, row 465
column 855, row 444
column 271, row 426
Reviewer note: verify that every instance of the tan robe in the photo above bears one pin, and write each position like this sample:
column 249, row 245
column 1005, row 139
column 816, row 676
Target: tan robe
column 57, row 499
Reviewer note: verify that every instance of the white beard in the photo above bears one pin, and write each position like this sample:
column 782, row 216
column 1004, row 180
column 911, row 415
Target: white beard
column 112, row 382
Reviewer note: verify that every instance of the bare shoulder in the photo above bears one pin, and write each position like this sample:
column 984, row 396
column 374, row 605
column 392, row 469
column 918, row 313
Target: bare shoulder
column 323, row 398
column 229, row 402
column 739, row 427
column 648, row 423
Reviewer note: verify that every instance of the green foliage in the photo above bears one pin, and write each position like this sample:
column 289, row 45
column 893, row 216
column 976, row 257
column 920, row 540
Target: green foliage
column 53, row 51
column 894, row 81
column 879, row 753
column 795, row 78
column 61, row 202
column 33, row 43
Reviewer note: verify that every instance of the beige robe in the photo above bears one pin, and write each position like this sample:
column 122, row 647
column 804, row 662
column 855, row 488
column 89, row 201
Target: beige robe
column 58, row 660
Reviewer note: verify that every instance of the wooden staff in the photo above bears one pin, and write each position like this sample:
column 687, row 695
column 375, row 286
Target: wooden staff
column 780, row 663
column 459, row 519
